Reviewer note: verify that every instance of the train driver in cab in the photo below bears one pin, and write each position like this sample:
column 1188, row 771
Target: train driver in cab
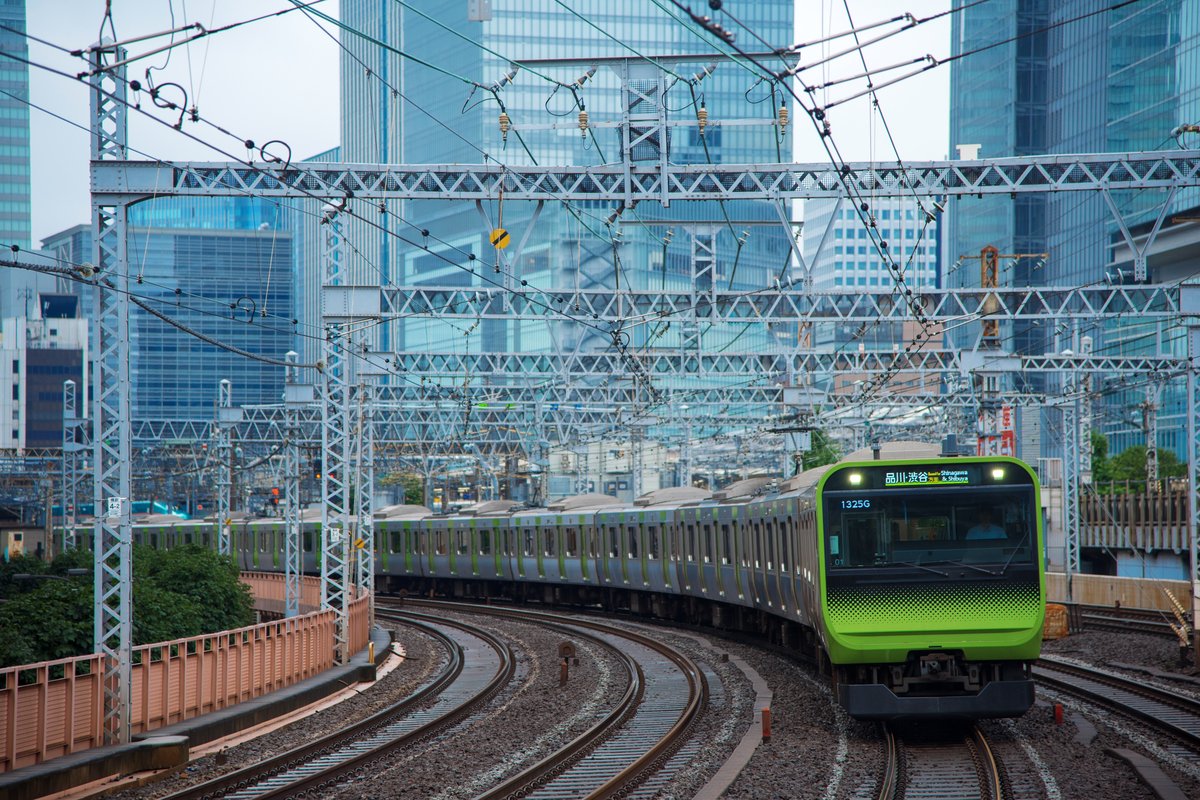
column 986, row 527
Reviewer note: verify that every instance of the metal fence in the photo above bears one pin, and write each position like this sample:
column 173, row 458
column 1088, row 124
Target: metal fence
column 54, row 708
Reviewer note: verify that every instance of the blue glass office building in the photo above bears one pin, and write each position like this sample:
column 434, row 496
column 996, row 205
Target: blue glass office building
column 439, row 118
column 14, row 128
column 222, row 268
column 1117, row 81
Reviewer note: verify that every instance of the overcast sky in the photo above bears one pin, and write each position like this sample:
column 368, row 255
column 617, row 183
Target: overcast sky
column 278, row 79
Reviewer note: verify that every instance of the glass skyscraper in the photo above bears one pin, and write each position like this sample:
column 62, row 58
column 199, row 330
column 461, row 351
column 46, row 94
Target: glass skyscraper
column 15, row 226
column 1117, row 81
column 400, row 111
column 220, row 267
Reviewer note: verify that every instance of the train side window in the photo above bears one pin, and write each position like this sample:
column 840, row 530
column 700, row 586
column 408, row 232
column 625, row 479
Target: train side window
column 570, row 542
column 785, row 530
column 708, row 544
column 614, row 542
column 633, row 541
column 440, row 542
column 593, row 539
column 463, row 538
column 154, row 540
column 652, row 542
column 308, row 541
column 528, row 549
column 485, row 543
column 550, row 537
column 397, row 542
column 691, row 542
column 771, row 532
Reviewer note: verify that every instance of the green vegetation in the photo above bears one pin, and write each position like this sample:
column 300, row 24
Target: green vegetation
column 182, row 592
column 824, row 451
column 414, row 487
column 1127, row 472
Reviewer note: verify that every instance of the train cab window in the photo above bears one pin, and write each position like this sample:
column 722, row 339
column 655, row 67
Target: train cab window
column 485, row 543
column 551, row 535
column 708, row 544
column 528, row 541
column 614, row 542
column 652, row 550
column 308, row 541
column 633, row 541
column 691, row 541
column 570, row 542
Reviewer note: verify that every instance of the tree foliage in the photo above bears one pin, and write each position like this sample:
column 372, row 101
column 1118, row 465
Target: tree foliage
column 824, row 451
column 1129, row 467
column 177, row 593
column 414, row 486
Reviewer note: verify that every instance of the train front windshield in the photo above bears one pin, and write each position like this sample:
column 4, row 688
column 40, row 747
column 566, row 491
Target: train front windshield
column 988, row 529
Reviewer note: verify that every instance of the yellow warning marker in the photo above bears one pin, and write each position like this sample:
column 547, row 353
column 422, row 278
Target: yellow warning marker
column 499, row 238
column 359, row 544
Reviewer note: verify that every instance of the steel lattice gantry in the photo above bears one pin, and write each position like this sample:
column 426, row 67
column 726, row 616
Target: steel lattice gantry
column 113, row 623
column 635, row 183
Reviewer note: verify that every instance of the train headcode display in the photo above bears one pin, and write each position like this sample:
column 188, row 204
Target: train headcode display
column 927, row 477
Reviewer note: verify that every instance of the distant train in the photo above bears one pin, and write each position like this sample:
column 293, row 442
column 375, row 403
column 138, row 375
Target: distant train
column 915, row 582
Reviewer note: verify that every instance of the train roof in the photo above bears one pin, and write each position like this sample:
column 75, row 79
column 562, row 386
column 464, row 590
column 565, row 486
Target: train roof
column 488, row 508
column 895, row 451
column 584, row 502
column 677, row 495
column 743, row 490
column 403, row 511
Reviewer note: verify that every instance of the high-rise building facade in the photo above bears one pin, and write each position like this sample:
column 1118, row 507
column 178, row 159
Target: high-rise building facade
column 15, row 224
column 221, row 270
column 1077, row 82
column 402, row 111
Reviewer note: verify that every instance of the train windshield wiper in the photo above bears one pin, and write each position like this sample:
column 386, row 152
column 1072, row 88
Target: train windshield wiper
column 970, row 566
column 922, row 566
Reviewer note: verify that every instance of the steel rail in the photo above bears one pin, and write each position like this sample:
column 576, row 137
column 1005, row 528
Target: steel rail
column 266, row 778
column 1171, row 713
column 967, row 768
column 543, row 779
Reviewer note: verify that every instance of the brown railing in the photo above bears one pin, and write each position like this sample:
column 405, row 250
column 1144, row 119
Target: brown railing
column 1136, row 520
column 54, row 708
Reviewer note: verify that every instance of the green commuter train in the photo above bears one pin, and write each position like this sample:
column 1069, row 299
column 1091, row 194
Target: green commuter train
column 915, row 582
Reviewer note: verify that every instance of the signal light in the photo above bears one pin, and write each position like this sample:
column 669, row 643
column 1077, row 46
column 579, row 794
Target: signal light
column 316, row 468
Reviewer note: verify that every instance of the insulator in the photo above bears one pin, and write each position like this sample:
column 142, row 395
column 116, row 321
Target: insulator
column 702, row 118
column 583, row 121
column 505, row 124
column 783, row 117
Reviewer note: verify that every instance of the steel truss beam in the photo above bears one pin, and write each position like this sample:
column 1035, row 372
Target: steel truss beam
column 785, row 307
column 628, row 183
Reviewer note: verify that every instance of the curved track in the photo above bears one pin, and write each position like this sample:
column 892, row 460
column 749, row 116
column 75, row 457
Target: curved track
column 1171, row 713
column 1128, row 620
column 917, row 768
column 629, row 752
column 479, row 665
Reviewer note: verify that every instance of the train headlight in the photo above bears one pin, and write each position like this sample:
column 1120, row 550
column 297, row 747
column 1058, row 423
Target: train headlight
column 998, row 473
column 855, row 478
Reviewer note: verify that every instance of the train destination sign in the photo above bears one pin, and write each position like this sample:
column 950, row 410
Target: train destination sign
column 927, row 477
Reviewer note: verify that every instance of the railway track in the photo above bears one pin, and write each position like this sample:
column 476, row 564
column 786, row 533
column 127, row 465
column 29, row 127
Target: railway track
column 1171, row 713
column 920, row 768
column 1128, row 620
column 478, row 666
column 637, row 747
